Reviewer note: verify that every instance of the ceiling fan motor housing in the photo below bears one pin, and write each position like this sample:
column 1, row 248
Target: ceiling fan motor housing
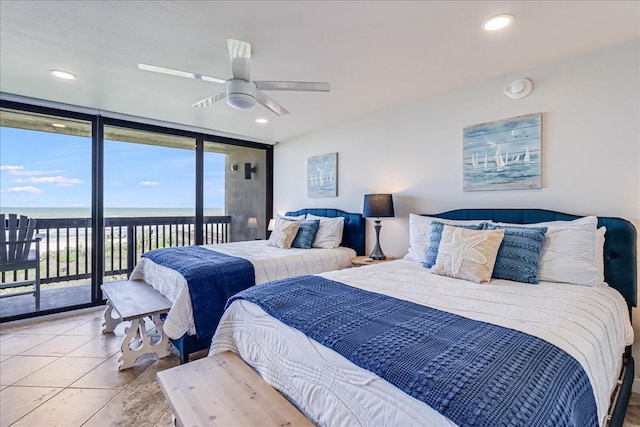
column 241, row 94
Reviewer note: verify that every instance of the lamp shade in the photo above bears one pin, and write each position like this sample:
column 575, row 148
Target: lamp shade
column 378, row 206
column 252, row 223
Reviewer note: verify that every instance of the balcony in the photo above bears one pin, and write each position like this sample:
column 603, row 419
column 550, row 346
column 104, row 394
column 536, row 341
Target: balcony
column 66, row 255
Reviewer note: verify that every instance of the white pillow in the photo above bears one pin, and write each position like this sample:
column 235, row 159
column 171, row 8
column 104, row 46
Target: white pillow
column 420, row 230
column 569, row 252
column 283, row 233
column 329, row 233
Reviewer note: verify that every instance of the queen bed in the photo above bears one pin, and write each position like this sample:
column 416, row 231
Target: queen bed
column 564, row 347
column 265, row 261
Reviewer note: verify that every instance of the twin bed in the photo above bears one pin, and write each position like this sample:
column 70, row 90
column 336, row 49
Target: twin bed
column 396, row 344
column 268, row 262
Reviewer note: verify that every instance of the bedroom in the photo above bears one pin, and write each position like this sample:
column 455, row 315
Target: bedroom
column 591, row 144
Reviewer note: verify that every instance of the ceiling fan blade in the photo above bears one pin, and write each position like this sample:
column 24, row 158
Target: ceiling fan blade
column 211, row 100
column 270, row 104
column 296, row 86
column 240, row 55
column 172, row 72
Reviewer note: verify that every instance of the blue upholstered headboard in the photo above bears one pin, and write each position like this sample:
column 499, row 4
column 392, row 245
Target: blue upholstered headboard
column 354, row 226
column 620, row 247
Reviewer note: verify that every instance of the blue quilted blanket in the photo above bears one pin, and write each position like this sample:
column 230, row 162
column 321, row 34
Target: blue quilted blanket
column 472, row 372
column 212, row 278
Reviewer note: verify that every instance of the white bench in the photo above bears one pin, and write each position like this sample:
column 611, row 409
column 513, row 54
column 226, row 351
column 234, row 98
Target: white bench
column 134, row 300
column 222, row 390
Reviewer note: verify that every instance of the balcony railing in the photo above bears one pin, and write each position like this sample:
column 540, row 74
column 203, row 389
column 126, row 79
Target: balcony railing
column 65, row 248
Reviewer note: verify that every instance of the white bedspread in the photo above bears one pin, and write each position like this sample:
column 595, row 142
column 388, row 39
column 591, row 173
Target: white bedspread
column 270, row 263
column 590, row 323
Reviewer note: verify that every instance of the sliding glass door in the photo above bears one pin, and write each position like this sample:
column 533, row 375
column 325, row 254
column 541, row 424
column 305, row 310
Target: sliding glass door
column 236, row 182
column 149, row 195
column 46, row 176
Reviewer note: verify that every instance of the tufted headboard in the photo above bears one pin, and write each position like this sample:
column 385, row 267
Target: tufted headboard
column 354, row 226
column 620, row 247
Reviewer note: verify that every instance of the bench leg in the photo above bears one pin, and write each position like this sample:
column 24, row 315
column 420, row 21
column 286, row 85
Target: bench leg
column 137, row 342
column 110, row 322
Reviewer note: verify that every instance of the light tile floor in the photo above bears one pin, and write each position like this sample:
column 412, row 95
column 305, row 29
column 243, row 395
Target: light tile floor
column 63, row 371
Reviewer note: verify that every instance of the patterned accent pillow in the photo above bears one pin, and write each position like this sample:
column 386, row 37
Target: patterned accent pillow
column 519, row 253
column 306, row 234
column 283, row 233
column 568, row 251
column 435, row 237
column 468, row 254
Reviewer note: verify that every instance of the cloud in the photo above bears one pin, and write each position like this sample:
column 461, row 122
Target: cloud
column 10, row 168
column 149, row 183
column 30, row 190
column 19, row 170
column 60, row 181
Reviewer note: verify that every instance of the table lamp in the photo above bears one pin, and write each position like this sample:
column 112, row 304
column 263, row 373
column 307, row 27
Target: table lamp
column 252, row 227
column 378, row 206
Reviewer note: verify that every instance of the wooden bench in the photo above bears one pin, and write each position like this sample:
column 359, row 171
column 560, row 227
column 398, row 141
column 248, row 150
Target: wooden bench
column 222, row 390
column 134, row 300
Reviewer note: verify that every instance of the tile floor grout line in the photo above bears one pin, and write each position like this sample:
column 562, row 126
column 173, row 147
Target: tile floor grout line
column 45, row 401
column 31, row 373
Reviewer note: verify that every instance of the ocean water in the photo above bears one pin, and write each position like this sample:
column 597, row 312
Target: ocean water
column 50, row 213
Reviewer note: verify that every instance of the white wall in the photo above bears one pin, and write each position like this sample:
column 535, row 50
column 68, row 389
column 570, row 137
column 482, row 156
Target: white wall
column 591, row 148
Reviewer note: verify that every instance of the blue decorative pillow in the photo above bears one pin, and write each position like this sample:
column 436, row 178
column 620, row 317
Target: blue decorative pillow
column 434, row 240
column 306, row 234
column 519, row 253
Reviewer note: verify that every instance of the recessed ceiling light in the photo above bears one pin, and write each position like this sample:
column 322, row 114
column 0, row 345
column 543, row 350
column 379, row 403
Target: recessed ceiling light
column 58, row 125
column 497, row 22
column 63, row 74
column 262, row 121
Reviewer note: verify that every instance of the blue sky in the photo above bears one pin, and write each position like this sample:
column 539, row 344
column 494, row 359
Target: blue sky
column 41, row 169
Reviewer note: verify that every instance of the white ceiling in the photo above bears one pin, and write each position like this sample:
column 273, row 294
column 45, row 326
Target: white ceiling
column 375, row 54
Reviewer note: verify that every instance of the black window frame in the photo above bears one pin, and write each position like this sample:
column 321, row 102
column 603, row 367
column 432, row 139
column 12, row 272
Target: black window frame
column 98, row 123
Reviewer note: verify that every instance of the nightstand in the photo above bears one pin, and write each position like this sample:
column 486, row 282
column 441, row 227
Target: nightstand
column 365, row 260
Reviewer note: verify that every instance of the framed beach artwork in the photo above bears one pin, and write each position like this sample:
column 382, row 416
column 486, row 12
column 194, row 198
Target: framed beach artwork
column 322, row 175
column 503, row 155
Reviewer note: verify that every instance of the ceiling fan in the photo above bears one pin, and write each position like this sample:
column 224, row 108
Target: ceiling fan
column 241, row 92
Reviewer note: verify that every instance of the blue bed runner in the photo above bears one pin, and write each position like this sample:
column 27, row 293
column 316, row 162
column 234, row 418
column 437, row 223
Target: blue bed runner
column 472, row 372
column 212, row 278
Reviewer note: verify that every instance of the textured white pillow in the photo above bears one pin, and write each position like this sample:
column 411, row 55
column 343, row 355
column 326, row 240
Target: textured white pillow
column 329, row 233
column 569, row 252
column 283, row 233
column 420, row 230
column 468, row 254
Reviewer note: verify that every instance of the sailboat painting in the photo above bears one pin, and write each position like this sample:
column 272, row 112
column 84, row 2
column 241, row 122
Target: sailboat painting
column 503, row 155
column 322, row 178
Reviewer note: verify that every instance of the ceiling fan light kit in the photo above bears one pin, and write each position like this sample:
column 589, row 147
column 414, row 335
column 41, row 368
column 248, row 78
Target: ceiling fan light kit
column 241, row 92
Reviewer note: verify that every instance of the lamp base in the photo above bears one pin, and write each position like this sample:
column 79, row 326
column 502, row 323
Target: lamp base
column 377, row 253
